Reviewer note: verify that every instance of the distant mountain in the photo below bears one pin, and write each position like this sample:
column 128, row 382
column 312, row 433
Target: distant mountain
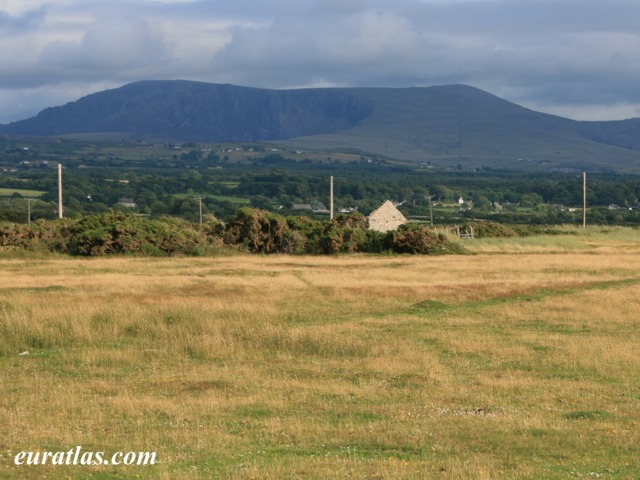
column 200, row 112
column 454, row 124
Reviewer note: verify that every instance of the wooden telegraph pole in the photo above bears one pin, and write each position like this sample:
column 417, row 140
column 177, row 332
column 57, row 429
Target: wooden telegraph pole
column 431, row 209
column 59, row 190
column 331, row 200
column 584, row 199
column 200, row 207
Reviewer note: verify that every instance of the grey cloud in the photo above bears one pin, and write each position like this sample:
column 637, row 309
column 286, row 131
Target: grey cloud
column 571, row 54
column 115, row 47
column 16, row 24
column 362, row 46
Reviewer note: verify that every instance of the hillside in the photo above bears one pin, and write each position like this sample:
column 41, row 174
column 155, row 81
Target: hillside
column 193, row 111
column 450, row 124
column 462, row 124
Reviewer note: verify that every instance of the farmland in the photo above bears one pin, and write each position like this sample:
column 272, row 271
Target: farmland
column 24, row 193
column 165, row 179
column 519, row 360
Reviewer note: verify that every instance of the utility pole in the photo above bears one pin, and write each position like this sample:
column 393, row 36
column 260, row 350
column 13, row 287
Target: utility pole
column 28, row 209
column 430, row 197
column 200, row 207
column 331, row 200
column 584, row 199
column 59, row 190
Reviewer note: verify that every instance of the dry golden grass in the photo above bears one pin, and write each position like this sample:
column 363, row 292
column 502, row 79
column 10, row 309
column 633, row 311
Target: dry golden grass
column 495, row 365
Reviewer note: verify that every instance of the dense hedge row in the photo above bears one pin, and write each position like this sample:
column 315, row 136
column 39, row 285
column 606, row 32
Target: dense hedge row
column 482, row 229
column 111, row 233
column 252, row 230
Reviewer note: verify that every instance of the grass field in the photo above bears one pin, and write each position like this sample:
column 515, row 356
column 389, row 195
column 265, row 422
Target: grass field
column 221, row 198
column 7, row 192
column 518, row 361
column 234, row 200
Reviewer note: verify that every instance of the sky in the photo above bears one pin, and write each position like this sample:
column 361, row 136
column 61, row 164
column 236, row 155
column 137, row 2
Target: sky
column 575, row 58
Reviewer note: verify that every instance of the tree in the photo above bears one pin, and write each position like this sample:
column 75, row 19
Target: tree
column 482, row 203
column 531, row 200
column 442, row 193
column 264, row 232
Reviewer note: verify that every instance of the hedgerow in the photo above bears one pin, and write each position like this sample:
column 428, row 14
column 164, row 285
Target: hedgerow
column 252, row 230
column 484, row 229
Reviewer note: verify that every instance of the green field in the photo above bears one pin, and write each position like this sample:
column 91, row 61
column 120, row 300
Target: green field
column 518, row 361
column 221, row 198
column 7, row 192
column 234, row 200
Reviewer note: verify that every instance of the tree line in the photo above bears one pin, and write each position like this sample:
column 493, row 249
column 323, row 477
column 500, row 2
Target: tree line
column 273, row 183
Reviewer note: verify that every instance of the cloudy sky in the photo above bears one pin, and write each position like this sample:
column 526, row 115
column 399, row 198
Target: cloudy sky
column 575, row 58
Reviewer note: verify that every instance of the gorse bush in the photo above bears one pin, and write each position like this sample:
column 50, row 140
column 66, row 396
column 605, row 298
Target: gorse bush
column 264, row 232
column 116, row 232
column 421, row 240
column 484, row 229
column 530, row 230
column 252, row 230
column 40, row 235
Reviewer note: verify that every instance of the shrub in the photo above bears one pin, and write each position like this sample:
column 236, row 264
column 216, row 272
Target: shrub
column 253, row 230
column 119, row 233
column 264, row 232
column 421, row 240
column 484, row 229
column 337, row 239
column 41, row 235
column 530, row 230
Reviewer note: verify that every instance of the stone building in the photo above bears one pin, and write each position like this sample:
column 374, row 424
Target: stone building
column 386, row 217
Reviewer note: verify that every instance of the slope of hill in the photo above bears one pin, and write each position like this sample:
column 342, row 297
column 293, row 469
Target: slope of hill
column 194, row 111
column 455, row 124
column 462, row 124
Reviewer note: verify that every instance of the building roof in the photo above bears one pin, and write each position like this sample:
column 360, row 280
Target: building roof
column 386, row 217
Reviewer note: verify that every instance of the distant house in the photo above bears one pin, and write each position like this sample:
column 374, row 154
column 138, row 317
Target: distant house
column 319, row 208
column 386, row 217
column 348, row 210
column 300, row 206
column 127, row 202
column 314, row 207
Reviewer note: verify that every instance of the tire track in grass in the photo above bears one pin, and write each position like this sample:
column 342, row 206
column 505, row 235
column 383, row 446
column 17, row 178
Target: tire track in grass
column 434, row 307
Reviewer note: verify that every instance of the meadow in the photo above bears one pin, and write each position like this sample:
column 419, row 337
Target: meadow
column 520, row 360
column 7, row 192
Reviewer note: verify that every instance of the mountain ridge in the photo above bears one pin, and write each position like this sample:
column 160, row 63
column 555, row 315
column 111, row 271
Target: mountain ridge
column 450, row 123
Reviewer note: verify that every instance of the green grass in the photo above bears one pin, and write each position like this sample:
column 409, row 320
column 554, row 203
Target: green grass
column 234, row 200
column 594, row 238
column 221, row 198
column 7, row 192
column 229, row 184
column 488, row 366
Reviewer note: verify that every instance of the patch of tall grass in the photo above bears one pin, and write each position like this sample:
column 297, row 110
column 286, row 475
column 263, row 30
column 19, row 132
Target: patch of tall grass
column 516, row 365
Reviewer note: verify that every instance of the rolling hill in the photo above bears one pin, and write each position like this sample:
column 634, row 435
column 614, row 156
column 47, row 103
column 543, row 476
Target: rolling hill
column 455, row 124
